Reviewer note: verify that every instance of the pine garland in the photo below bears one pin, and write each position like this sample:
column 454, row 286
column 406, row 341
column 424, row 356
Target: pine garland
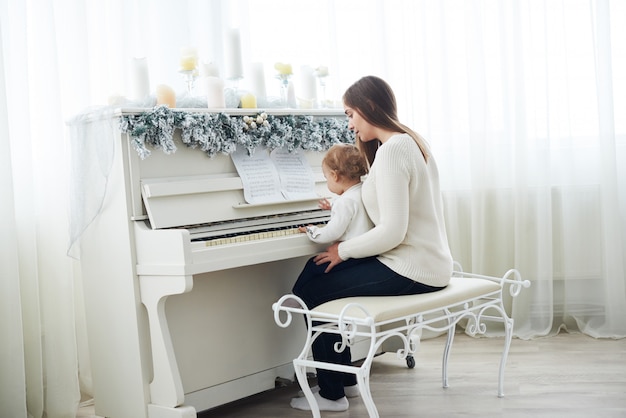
column 215, row 133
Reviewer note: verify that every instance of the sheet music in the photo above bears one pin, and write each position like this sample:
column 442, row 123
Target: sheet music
column 296, row 176
column 261, row 183
column 275, row 177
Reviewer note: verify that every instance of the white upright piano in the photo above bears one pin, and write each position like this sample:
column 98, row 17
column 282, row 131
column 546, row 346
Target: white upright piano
column 175, row 323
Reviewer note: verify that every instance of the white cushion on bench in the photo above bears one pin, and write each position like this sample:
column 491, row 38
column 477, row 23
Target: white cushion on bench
column 384, row 308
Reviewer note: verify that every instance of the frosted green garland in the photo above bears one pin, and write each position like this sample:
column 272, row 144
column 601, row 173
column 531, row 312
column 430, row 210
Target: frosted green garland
column 216, row 133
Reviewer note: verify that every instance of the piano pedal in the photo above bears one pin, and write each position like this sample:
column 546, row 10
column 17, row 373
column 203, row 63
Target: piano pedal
column 282, row 382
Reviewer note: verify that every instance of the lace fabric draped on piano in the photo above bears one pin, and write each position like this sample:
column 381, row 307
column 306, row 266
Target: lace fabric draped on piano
column 92, row 153
column 216, row 133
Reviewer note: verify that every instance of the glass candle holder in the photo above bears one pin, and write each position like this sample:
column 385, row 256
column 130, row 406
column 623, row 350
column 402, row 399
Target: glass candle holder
column 321, row 73
column 189, row 77
column 284, row 88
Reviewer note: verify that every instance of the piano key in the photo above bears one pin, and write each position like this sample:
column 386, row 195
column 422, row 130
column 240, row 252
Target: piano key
column 252, row 236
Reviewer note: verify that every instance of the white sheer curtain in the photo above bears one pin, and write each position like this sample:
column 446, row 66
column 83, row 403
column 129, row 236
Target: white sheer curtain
column 522, row 102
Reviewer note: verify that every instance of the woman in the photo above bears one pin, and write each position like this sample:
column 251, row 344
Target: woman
column 407, row 250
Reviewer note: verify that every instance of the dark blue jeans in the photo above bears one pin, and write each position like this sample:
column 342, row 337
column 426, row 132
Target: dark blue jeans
column 353, row 277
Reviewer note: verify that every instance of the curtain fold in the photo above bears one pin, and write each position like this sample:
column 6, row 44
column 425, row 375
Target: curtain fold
column 520, row 100
column 37, row 208
column 12, row 378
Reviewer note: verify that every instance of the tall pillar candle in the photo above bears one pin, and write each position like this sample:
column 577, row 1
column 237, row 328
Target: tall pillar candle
column 233, row 67
column 139, row 79
column 257, row 80
column 307, row 84
column 291, row 95
column 214, row 92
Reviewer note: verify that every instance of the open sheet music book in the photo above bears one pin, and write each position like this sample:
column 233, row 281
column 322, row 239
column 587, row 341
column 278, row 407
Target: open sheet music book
column 275, row 176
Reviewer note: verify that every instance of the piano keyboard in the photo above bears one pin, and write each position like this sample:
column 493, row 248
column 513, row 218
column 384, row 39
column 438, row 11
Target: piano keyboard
column 257, row 228
column 252, row 237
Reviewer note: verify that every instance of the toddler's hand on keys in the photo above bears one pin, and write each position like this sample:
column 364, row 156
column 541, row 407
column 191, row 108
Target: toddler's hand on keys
column 324, row 204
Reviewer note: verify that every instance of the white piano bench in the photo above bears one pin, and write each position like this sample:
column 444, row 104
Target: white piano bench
column 376, row 319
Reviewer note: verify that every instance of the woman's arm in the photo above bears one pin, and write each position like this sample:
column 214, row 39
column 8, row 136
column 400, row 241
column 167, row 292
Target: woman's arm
column 391, row 214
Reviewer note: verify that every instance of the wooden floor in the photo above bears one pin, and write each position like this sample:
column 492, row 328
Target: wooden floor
column 569, row 375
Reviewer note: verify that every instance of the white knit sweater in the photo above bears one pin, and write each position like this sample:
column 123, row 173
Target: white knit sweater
column 403, row 199
column 348, row 219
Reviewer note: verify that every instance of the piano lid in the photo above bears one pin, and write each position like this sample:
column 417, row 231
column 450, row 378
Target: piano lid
column 191, row 200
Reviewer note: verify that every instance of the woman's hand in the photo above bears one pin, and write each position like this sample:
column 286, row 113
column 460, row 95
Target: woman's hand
column 330, row 256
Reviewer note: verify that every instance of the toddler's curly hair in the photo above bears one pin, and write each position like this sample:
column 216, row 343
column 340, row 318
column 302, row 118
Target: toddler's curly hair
column 347, row 161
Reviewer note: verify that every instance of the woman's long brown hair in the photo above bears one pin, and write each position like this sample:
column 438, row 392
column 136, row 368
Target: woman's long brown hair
column 375, row 101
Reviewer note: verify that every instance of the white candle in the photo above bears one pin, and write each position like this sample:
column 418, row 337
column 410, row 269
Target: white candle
column 209, row 69
column 232, row 63
column 257, row 80
column 139, row 81
column 248, row 101
column 214, row 92
column 307, row 86
column 165, row 95
column 291, row 95
column 188, row 59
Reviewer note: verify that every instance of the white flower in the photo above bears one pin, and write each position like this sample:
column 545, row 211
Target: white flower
column 283, row 69
column 321, row 71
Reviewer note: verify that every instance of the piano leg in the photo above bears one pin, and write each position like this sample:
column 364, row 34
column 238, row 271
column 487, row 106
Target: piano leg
column 166, row 389
column 158, row 411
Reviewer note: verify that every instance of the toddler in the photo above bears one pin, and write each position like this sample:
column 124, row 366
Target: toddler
column 343, row 166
